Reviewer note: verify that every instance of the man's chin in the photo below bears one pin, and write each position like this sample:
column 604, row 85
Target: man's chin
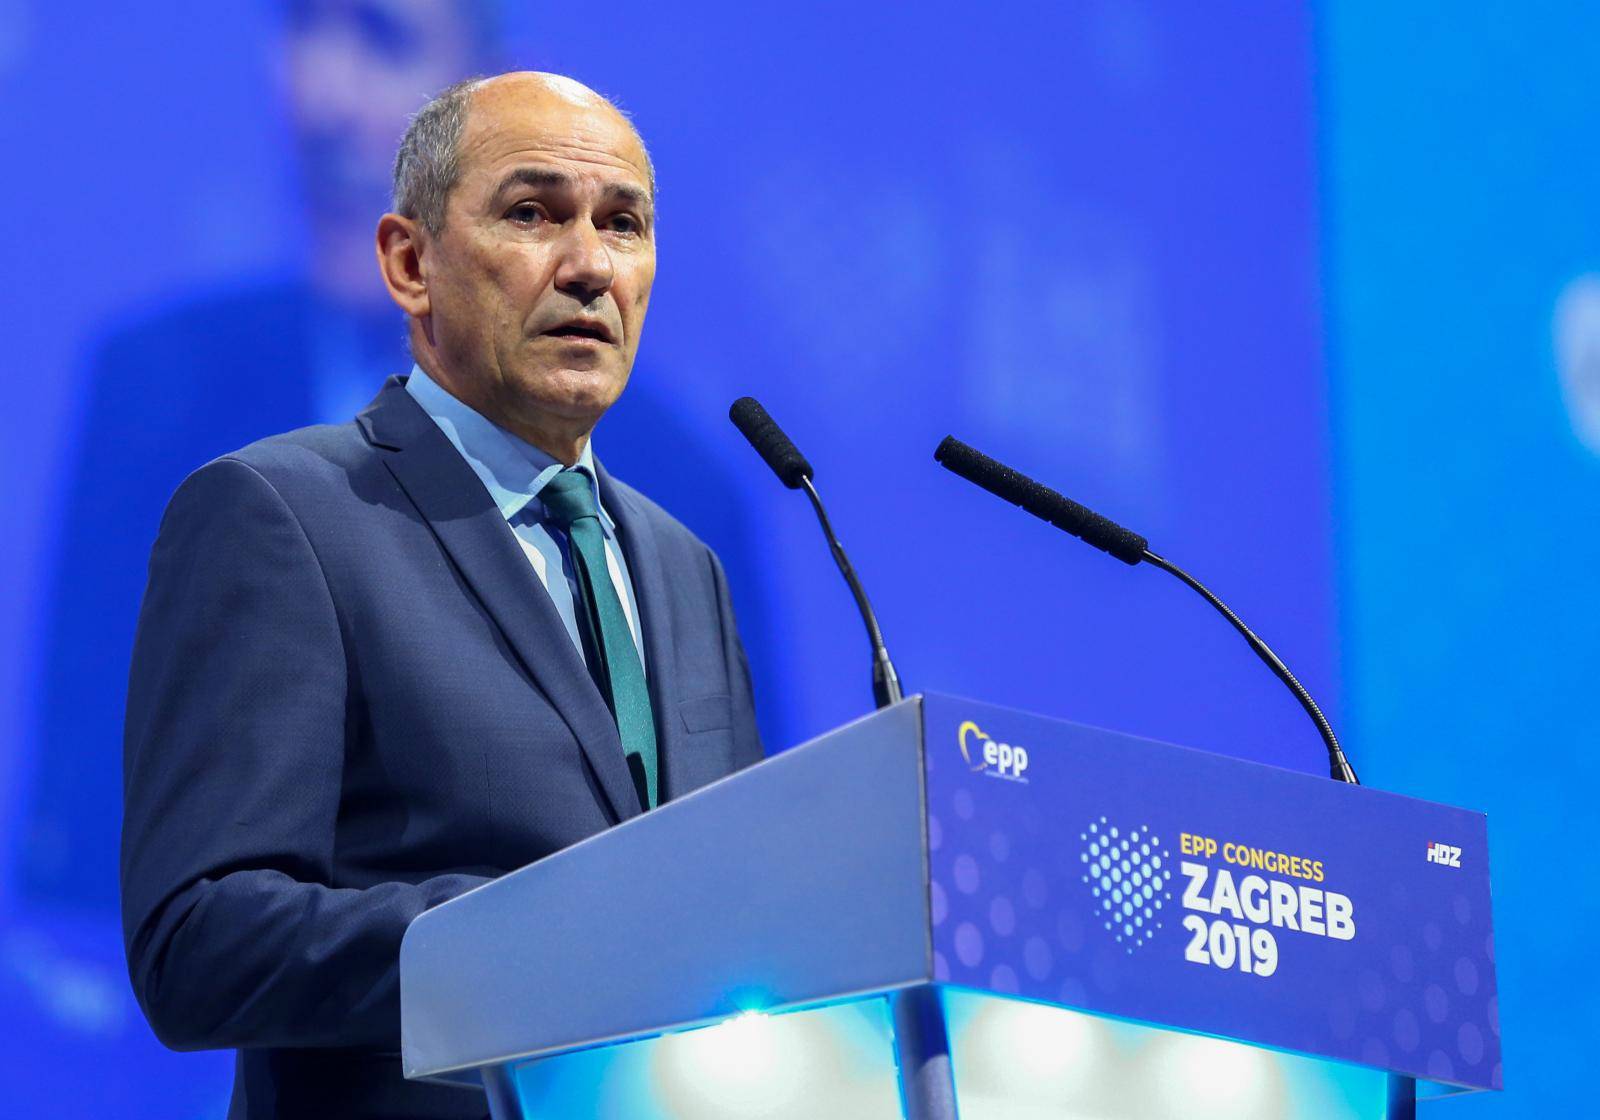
column 577, row 394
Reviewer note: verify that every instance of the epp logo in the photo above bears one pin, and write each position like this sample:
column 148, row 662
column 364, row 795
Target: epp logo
column 1444, row 854
column 998, row 760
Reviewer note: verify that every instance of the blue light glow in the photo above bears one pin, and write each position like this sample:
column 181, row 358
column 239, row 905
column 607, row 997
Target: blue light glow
column 1015, row 1059
column 835, row 1061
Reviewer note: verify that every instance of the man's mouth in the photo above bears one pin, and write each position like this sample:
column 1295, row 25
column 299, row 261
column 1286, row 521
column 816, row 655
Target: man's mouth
column 582, row 329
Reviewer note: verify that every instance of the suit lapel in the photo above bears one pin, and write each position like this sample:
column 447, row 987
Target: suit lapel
column 650, row 590
column 471, row 529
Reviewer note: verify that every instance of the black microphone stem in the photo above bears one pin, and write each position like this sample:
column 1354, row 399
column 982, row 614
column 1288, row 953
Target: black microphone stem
column 1338, row 765
column 885, row 681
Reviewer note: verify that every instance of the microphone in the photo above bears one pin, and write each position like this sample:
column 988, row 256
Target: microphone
column 795, row 472
column 1041, row 501
column 1131, row 548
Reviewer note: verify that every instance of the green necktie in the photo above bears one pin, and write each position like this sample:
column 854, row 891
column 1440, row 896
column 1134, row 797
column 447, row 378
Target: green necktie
column 569, row 500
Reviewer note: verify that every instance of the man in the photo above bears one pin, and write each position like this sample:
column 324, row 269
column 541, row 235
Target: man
column 383, row 662
column 248, row 356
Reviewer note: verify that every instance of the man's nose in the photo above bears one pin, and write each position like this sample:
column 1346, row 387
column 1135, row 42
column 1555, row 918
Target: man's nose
column 584, row 269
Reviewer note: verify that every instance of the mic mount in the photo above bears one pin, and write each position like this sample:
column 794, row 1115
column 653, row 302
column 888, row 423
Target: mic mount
column 795, row 472
column 1129, row 547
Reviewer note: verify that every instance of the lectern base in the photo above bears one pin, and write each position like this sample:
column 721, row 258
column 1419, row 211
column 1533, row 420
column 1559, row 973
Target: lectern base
column 922, row 1053
column 959, row 1053
column 501, row 1088
column 1402, row 1098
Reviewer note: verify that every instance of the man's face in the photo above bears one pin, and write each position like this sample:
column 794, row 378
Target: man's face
column 539, row 280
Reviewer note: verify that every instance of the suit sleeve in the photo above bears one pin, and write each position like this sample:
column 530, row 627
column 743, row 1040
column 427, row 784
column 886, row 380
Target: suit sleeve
column 746, row 734
column 233, row 757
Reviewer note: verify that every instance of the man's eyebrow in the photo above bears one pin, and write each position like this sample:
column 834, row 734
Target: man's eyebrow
column 560, row 180
column 533, row 177
column 632, row 195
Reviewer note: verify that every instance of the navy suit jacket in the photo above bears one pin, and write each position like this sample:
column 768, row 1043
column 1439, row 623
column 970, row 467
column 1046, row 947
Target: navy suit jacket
column 196, row 380
column 352, row 699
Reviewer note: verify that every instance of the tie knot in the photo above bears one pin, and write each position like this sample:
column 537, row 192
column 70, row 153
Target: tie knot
column 569, row 497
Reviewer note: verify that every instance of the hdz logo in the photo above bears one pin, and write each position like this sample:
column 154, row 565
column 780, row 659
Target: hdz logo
column 997, row 760
column 1445, row 855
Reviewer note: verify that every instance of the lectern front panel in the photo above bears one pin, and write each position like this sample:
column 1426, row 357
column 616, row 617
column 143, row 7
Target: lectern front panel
column 1166, row 885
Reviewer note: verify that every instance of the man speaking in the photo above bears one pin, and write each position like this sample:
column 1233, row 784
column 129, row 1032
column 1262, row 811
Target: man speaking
column 383, row 662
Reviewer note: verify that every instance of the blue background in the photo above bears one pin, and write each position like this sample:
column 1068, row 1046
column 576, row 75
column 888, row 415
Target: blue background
column 1296, row 291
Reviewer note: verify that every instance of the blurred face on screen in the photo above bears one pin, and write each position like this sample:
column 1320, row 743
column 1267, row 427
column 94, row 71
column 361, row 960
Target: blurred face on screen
column 529, row 302
column 354, row 71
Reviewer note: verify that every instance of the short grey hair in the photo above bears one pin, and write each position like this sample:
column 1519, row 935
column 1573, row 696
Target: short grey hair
column 428, row 164
column 429, row 161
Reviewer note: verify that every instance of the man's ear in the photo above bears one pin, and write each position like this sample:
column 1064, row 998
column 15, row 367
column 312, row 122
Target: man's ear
column 400, row 245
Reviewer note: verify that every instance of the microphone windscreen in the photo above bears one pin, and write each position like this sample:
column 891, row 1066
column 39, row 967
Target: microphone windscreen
column 768, row 439
column 1041, row 501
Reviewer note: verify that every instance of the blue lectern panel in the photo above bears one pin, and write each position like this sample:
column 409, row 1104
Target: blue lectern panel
column 1156, row 883
column 798, row 881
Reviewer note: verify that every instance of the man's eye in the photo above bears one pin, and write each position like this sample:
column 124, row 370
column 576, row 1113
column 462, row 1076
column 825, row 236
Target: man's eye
column 525, row 212
column 624, row 223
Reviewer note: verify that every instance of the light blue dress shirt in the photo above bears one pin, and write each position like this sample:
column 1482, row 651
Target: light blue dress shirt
column 514, row 471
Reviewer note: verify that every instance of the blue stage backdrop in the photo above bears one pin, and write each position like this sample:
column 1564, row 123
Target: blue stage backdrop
column 1084, row 238
column 1463, row 237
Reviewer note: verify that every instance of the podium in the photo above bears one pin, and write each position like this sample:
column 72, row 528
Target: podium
column 950, row 908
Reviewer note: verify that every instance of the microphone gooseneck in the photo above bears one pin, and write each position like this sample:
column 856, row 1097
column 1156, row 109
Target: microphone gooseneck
column 885, row 681
column 1131, row 548
column 1338, row 764
column 792, row 469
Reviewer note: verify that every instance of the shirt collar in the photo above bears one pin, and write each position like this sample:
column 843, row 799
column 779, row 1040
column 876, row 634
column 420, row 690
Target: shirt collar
column 511, row 468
